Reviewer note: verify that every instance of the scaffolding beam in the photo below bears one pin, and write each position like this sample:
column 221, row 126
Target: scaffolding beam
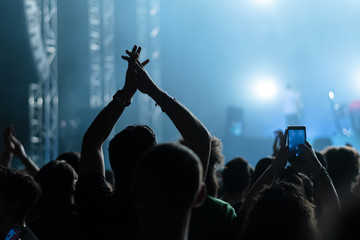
column 41, row 20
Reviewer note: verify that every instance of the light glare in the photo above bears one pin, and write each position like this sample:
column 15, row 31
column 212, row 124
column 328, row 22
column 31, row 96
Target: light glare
column 265, row 88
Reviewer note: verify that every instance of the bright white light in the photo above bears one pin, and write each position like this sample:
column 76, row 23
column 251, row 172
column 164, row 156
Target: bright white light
column 265, row 88
column 264, row 2
column 331, row 95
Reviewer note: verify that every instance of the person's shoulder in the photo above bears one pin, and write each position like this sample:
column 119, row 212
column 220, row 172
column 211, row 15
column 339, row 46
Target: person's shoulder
column 219, row 202
column 92, row 185
column 220, row 206
column 91, row 180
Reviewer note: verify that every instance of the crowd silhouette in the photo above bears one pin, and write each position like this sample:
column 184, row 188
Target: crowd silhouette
column 179, row 190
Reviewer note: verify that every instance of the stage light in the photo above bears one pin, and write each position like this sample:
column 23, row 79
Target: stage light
column 331, row 95
column 265, row 88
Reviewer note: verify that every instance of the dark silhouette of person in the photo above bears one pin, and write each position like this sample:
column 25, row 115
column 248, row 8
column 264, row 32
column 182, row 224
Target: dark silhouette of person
column 111, row 214
column 18, row 193
column 164, row 198
column 281, row 211
column 343, row 168
column 72, row 158
column 236, row 181
column 54, row 215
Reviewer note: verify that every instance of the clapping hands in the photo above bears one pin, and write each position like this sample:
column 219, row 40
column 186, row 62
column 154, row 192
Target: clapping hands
column 136, row 76
column 12, row 144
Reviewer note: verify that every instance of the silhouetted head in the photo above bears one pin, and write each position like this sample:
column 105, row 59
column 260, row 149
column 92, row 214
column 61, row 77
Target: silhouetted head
column 18, row 193
column 289, row 175
column 216, row 159
column 343, row 166
column 261, row 166
column 236, row 176
column 125, row 150
column 57, row 180
column 72, row 158
column 169, row 176
column 281, row 211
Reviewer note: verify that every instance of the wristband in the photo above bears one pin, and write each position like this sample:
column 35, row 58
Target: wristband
column 118, row 97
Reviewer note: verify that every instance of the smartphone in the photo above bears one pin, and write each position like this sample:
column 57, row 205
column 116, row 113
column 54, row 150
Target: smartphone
column 14, row 233
column 296, row 137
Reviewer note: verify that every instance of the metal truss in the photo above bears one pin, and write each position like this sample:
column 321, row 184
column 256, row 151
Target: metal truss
column 108, row 43
column 148, row 20
column 36, row 122
column 95, row 81
column 102, row 51
column 51, row 108
column 41, row 17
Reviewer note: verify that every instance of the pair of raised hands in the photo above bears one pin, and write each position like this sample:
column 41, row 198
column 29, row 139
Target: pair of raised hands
column 307, row 164
column 136, row 76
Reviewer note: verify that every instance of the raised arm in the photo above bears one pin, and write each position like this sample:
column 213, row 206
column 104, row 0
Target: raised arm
column 19, row 152
column 325, row 192
column 192, row 130
column 269, row 175
column 92, row 158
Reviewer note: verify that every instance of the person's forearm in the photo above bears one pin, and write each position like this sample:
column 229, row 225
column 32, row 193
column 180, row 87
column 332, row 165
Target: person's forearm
column 265, row 179
column 191, row 129
column 103, row 124
column 29, row 165
column 6, row 158
column 92, row 160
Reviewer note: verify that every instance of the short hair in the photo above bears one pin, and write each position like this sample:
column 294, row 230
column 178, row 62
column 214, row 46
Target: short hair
column 170, row 171
column 236, row 175
column 299, row 179
column 56, row 179
column 72, row 158
column 125, row 150
column 343, row 165
column 281, row 211
column 19, row 186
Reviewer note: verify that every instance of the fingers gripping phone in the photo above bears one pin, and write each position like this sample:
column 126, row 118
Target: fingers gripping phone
column 296, row 137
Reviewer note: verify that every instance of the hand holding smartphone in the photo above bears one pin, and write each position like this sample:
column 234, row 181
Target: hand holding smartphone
column 296, row 137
